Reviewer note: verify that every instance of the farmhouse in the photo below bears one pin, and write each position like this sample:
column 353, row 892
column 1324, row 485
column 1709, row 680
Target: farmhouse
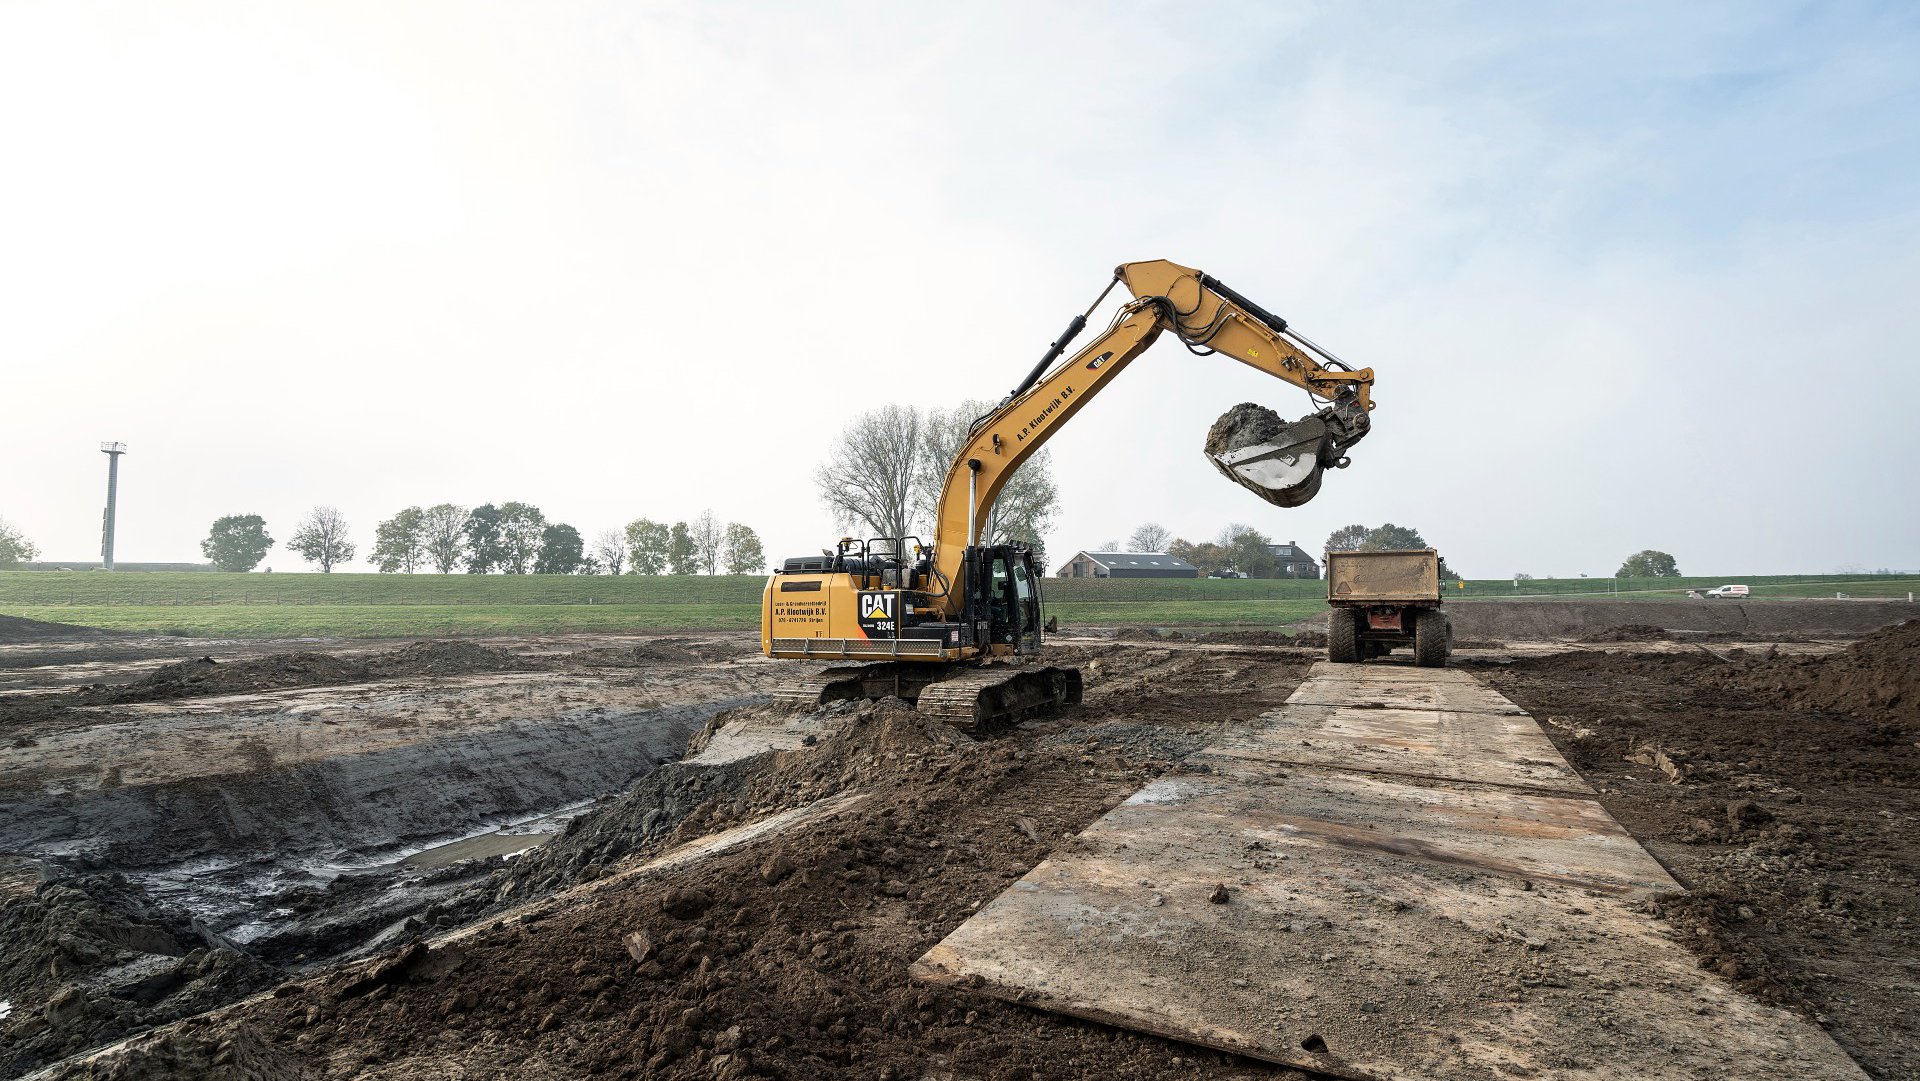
column 1128, row 565
column 1294, row 561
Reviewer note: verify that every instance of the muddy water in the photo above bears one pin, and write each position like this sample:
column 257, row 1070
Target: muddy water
column 261, row 810
column 218, row 847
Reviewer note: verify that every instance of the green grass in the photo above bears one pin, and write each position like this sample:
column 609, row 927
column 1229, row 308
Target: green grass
column 156, row 588
column 403, row 605
column 391, row 620
column 1763, row 585
column 1255, row 612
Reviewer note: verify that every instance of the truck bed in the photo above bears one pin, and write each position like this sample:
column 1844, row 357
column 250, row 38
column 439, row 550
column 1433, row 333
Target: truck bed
column 1393, row 577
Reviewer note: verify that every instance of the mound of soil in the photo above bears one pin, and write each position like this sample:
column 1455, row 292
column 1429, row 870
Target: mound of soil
column 92, row 959
column 680, row 801
column 237, row 1054
column 1245, row 425
column 1524, row 620
column 206, row 676
column 1303, row 639
column 1630, row 632
column 450, row 658
column 16, row 629
column 1876, row 678
column 666, row 649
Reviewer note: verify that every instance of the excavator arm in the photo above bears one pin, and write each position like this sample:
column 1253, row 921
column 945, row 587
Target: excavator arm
column 1283, row 464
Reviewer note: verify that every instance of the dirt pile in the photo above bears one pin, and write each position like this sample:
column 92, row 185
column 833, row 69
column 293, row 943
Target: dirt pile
column 202, row 676
column 91, row 960
column 667, row 649
column 1629, row 632
column 57, row 932
column 206, row 676
column 237, row 1054
column 1245, row 425
column 16, row 629
column 452, row 658
column 681, row 801
column 1523, row 620
column 1305, row 639
column 1876, row 678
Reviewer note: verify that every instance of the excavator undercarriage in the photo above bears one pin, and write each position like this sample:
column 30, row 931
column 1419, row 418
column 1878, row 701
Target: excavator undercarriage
column 973, row 698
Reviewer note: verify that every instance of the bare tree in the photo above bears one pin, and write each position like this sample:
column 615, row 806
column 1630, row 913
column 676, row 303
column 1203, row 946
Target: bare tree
column 610, row 550
column 443, row 533
column 869, row 479
column 707, row 538
column 1027, row 503
column 1150, row 537
column 322, row 539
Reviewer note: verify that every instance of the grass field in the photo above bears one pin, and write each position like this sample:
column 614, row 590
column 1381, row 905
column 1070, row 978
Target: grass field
column 403, row 605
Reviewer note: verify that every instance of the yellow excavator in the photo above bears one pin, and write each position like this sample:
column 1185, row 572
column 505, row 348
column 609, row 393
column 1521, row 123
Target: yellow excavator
column 956, row 626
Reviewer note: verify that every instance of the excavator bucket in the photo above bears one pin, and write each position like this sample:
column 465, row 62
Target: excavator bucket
column 1279, row 461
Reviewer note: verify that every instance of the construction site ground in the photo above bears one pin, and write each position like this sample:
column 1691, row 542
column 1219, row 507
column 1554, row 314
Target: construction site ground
column 608, row 856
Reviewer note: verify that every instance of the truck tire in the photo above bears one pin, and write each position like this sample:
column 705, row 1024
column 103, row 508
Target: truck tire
column 1343, row 646
column 1430, row 638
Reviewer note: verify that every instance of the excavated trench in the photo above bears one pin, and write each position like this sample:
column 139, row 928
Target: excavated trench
column 278, row 810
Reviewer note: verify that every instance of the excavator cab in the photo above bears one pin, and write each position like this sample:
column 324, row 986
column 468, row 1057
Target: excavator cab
column 1003, row 598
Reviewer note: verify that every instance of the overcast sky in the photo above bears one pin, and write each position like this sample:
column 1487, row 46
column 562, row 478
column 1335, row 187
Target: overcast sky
column 1629, row 276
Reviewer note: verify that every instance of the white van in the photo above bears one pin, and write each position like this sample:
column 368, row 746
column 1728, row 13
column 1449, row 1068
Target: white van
column 1730, row 591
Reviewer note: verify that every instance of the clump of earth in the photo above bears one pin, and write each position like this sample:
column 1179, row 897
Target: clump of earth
column 1250, row 425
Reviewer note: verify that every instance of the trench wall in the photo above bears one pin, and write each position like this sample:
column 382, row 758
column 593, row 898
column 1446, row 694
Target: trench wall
column 387, row 797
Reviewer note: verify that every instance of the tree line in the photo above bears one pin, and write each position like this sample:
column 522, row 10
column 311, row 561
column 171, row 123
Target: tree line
column 1241, row 549
column 508, row 538
column 1237, row 549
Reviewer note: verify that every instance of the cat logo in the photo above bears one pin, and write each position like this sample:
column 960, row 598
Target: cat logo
column 1094, row 364
column 878, row 614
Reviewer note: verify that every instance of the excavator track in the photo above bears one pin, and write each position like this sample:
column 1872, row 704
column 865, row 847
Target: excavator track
column 982, row 698
column 848, row 682
column 972, row 699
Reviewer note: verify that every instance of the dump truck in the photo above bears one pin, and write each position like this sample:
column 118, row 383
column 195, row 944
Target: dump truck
column 1385, row 599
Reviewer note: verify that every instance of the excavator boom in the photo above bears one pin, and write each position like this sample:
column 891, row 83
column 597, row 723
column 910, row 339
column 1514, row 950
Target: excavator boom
column 1281, row 462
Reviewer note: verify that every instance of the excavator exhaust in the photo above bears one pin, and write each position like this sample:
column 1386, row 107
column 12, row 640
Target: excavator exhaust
column 1280, row 462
